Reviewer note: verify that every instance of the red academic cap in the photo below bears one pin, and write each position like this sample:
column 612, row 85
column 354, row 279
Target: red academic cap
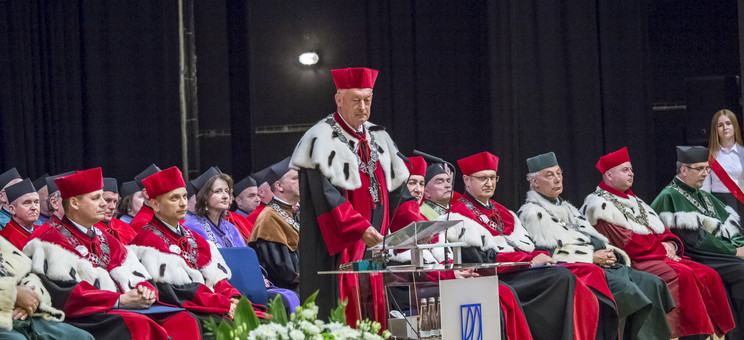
column 478, row 162
column 417, row 166
column 612, row 160
column 80, row 183
column 354, row 78
column 163, row 182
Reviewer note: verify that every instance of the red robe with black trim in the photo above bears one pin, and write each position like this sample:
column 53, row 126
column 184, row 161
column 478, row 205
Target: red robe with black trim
column 190, row 263
column 16, row 234
column 487, row 243
column 241, row 222
column 119, row 229
column 144, row 215
column 699, row 296
column 87, row 277
column 337, row 207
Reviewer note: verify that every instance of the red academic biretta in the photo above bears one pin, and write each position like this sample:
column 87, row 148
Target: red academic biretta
column 417, row 166
column 478, row 162
column 80, row 183
column 612, row 160
column 354, row 78
column 163, row 182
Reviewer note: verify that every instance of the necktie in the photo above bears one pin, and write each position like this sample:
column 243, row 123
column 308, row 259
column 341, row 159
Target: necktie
column 90, row 233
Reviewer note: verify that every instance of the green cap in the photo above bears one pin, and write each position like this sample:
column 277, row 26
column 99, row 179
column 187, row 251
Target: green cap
column 539, row 162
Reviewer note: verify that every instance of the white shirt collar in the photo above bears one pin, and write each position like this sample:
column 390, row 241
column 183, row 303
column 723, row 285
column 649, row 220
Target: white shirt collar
column 735, row 149
column 359, row 130
column 176, row 229
column 82, row 229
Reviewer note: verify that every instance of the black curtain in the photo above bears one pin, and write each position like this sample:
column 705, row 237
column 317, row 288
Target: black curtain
column 88, row 83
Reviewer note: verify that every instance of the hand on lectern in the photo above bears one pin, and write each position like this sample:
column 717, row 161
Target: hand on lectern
column 371, row 237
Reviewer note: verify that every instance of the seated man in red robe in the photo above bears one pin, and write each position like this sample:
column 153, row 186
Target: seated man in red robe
column 114, row 226
column 187, row 269
column 24, row 207
column 556, row 304
column 144, row 215
column 633, row 226
column 91, row 275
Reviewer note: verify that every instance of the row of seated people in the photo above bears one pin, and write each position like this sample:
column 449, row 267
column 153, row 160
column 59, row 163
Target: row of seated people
column 641, row 278
column 163, row 284
column 671, row 269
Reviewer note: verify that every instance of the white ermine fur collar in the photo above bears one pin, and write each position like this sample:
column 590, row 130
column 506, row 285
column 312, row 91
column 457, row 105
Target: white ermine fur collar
column 552, row 226
column 173, row 269
column 15, row 270
column 476, row 235
column 597, row 208
column 60, row 264
column 694, row 220
column 321, row 147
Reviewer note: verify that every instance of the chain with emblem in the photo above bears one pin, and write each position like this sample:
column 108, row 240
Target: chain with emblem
column 642, row 217
column 498, row 225
column 189, row 256
column 708, row 210
column 285, row 216
column 367, row 168
column 101, row 260
column 210, row 234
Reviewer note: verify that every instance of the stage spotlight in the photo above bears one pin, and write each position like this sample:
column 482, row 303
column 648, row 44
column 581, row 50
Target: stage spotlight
column 309, row 58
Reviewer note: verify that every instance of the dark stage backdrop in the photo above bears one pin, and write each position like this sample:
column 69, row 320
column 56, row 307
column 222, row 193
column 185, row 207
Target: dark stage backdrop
column 93, row 83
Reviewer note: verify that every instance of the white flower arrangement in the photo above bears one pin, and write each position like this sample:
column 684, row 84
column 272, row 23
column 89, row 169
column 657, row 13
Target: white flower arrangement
column 302, row 324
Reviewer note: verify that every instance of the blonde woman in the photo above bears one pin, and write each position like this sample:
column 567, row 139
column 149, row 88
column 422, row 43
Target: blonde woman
column 726, row 176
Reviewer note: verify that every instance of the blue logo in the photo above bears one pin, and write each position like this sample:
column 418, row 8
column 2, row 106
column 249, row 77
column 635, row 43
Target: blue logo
column 471, row 323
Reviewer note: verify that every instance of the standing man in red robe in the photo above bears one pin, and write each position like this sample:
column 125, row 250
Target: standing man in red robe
column 352, row 181
column 24, row 207
column 633, row 226
column 92, row 276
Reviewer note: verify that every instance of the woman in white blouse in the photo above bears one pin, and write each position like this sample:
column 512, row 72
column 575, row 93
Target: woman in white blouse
column 726, row 148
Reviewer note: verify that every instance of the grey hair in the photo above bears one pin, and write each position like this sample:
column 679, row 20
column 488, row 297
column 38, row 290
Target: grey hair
column 679, row 166
column 530, row 177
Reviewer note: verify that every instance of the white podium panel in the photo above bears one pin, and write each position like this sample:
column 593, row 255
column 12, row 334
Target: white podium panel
column 470, row 309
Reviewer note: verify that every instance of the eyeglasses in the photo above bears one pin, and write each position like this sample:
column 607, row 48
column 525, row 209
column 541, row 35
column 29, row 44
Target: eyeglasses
column 701, row 168
column 484, row 179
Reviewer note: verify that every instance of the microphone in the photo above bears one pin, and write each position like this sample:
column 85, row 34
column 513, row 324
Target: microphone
column 432, row 158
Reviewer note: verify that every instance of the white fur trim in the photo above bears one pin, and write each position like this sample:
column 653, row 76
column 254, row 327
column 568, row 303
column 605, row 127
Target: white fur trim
column 216, row 270
column 7, row 301
column 174, row 268
column 130, row 273
column 476, row 235
column 597, row 208
column 317, row 145
column 63, row 265
column 693, row 220
column 546, row 232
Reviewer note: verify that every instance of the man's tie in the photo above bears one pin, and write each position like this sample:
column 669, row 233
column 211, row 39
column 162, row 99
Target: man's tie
column 90, row 233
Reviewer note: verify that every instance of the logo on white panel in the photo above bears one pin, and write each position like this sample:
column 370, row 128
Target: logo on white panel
column 471, row 323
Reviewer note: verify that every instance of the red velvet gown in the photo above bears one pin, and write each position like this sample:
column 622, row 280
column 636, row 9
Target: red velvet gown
column 144, row 215
column 701, row 303
column 333, row 218
column 89, row 294
column 16, row 234
column 239, row 221
column 203, row 287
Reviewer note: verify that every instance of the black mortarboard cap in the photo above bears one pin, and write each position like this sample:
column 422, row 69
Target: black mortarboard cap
column 51, row 185
column 128, row 188
column 692, row 154
column 40, row 182
column 244, row 183
column 198, row 182
column 260, row 176
column 19, row 189
column 110, row 184
column 434, row 170
column 149, row 171
column 8, row 176
column 277, row 170
column 190, row 191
